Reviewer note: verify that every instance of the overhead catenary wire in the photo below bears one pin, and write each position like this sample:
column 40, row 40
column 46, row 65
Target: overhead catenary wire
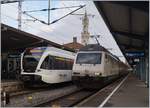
column 25, row 12
column 48, row 23
column 32, row 16
column 38, row 29
column 14, row 1
column 9, row 1
column 54, row 8
column 74, row 23
column 33, row 27
column 68, row 14
column 12, row 17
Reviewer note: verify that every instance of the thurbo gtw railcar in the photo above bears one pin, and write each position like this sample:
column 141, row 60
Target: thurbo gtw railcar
column 46, row 64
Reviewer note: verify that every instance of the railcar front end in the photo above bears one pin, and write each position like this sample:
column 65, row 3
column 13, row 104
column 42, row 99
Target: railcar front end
column 46, row 65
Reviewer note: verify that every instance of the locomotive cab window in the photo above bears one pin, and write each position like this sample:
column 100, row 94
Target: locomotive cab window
column 89, row 58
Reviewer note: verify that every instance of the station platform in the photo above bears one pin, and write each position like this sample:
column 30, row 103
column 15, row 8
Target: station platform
column 11, row 85
column 126, row 92
column 131, row 93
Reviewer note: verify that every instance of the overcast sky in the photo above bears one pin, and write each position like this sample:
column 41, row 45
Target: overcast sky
column 64, row 30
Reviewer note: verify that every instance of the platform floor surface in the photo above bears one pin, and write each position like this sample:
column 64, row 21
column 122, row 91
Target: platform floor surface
column 5, row 81
column 132, row 93
column 9, row 82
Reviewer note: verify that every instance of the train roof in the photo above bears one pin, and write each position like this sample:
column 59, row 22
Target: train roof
column 93, row 47
column 56, row 51
column 59, row 52
column 96, row 47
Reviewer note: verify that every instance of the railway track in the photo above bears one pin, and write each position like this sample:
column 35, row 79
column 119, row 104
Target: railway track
column 61, row 97
column 25, row 92
column 68, row 100
column 81, row 97
column 30, row 90
column 32, row 98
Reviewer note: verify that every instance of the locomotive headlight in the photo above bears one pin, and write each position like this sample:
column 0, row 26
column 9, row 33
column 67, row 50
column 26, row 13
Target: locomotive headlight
column 97, row 73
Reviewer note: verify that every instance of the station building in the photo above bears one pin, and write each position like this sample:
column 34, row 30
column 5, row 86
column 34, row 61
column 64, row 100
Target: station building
column 74, row 45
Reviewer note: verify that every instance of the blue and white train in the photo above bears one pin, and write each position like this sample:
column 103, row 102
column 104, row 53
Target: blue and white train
column 46, row 64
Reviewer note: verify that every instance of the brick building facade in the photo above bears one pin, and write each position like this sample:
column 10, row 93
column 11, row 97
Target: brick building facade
column 74, row 45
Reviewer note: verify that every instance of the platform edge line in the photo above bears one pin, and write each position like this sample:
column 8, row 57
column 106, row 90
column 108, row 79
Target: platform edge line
column 104, row 102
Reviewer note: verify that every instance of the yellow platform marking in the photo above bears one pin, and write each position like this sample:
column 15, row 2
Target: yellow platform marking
column 55, row 104
column 30, row 98
column 71, row 98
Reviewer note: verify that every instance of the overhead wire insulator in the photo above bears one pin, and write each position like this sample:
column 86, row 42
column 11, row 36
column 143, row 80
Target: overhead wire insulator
column 43, row 22
column 53, row 8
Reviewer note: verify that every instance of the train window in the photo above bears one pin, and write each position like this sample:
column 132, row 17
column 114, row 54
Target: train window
column 68, row 64
column 29, row 64
column 88, row 58
column 47, row 63
column 58, row 63
column 65, row 65
column 62, row 64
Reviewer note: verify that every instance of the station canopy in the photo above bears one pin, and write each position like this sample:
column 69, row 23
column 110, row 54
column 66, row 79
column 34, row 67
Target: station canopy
column 13, row 40
column 128, row 21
